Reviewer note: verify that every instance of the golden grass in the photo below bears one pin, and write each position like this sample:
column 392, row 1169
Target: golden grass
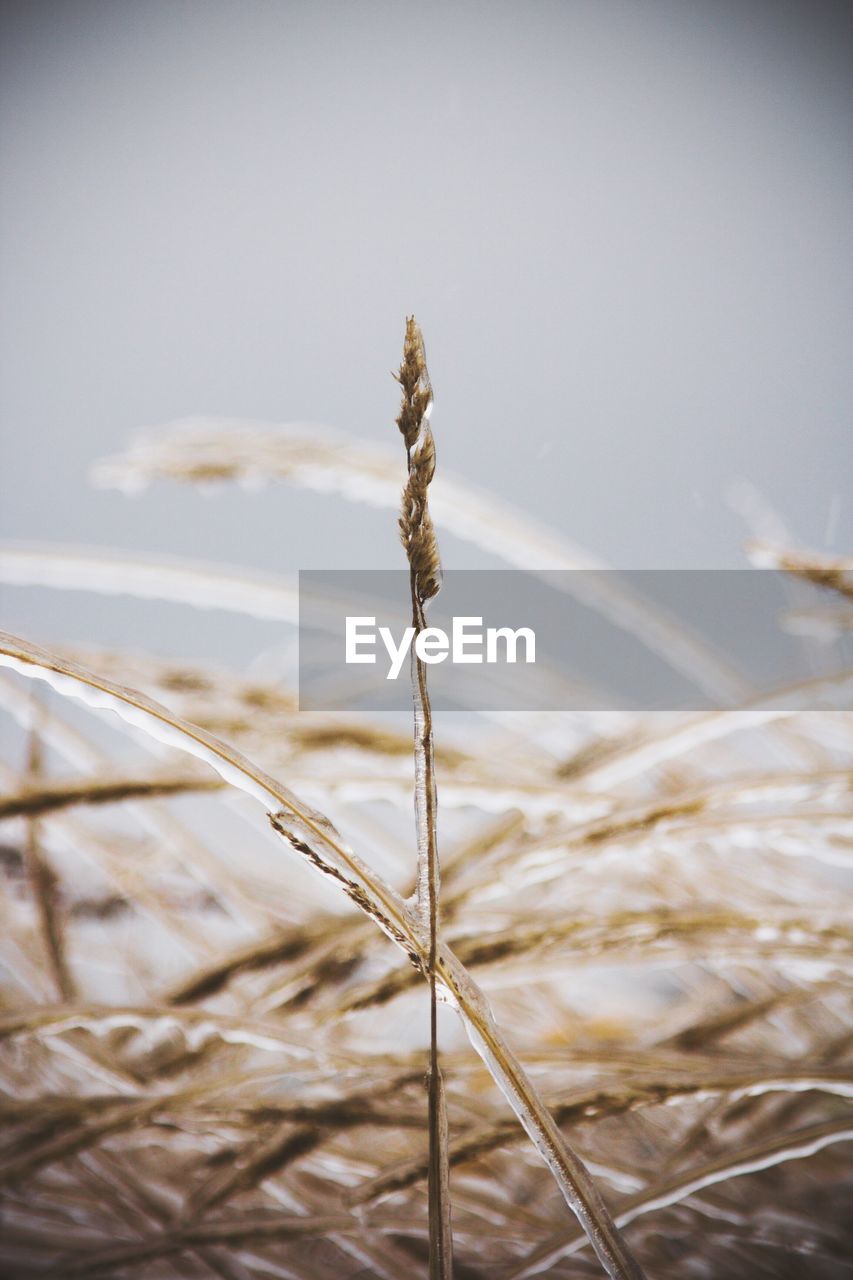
column 212, row 1059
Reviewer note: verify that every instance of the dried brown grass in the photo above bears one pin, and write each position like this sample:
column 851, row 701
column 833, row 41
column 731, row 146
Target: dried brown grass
column 213, row 1064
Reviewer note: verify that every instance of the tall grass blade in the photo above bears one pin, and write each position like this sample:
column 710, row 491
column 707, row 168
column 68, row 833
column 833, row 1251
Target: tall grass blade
column 419, row 541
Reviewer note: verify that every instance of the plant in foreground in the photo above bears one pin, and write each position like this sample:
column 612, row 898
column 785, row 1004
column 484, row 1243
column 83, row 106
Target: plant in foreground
column 194, row 1047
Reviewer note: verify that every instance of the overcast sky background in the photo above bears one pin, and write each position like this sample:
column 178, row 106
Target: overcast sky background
column 624, row 227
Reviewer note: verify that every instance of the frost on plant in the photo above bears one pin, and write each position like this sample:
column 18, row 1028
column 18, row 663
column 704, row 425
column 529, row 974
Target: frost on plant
column 217, row 1025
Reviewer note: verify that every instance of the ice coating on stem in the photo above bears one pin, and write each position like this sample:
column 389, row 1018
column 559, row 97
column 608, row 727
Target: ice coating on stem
column 378, row 900
column 140, row 717
column 572, row 1176
column 775, row 1152
column 190, row 582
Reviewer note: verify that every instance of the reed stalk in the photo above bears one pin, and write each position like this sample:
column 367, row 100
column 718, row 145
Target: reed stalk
column 418, row 537
column 218, row 1100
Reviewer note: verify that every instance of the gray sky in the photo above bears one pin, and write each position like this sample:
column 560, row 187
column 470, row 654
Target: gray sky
column 624, row 228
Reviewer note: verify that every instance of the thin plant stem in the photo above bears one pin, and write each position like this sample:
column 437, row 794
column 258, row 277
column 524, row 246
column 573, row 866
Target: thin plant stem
column 419, row 540
column 43, row 881
column 312, row 836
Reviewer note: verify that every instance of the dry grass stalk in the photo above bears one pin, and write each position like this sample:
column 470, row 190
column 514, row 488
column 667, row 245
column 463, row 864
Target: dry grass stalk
column 38, row 798
column 43, row 878
column 419, row 541
column 312, row 836
column 834, row 573
column 206, row 451
column 205, row 1104
column 763, row 1155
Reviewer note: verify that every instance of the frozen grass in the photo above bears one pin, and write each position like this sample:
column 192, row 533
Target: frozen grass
column 213, row 1059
